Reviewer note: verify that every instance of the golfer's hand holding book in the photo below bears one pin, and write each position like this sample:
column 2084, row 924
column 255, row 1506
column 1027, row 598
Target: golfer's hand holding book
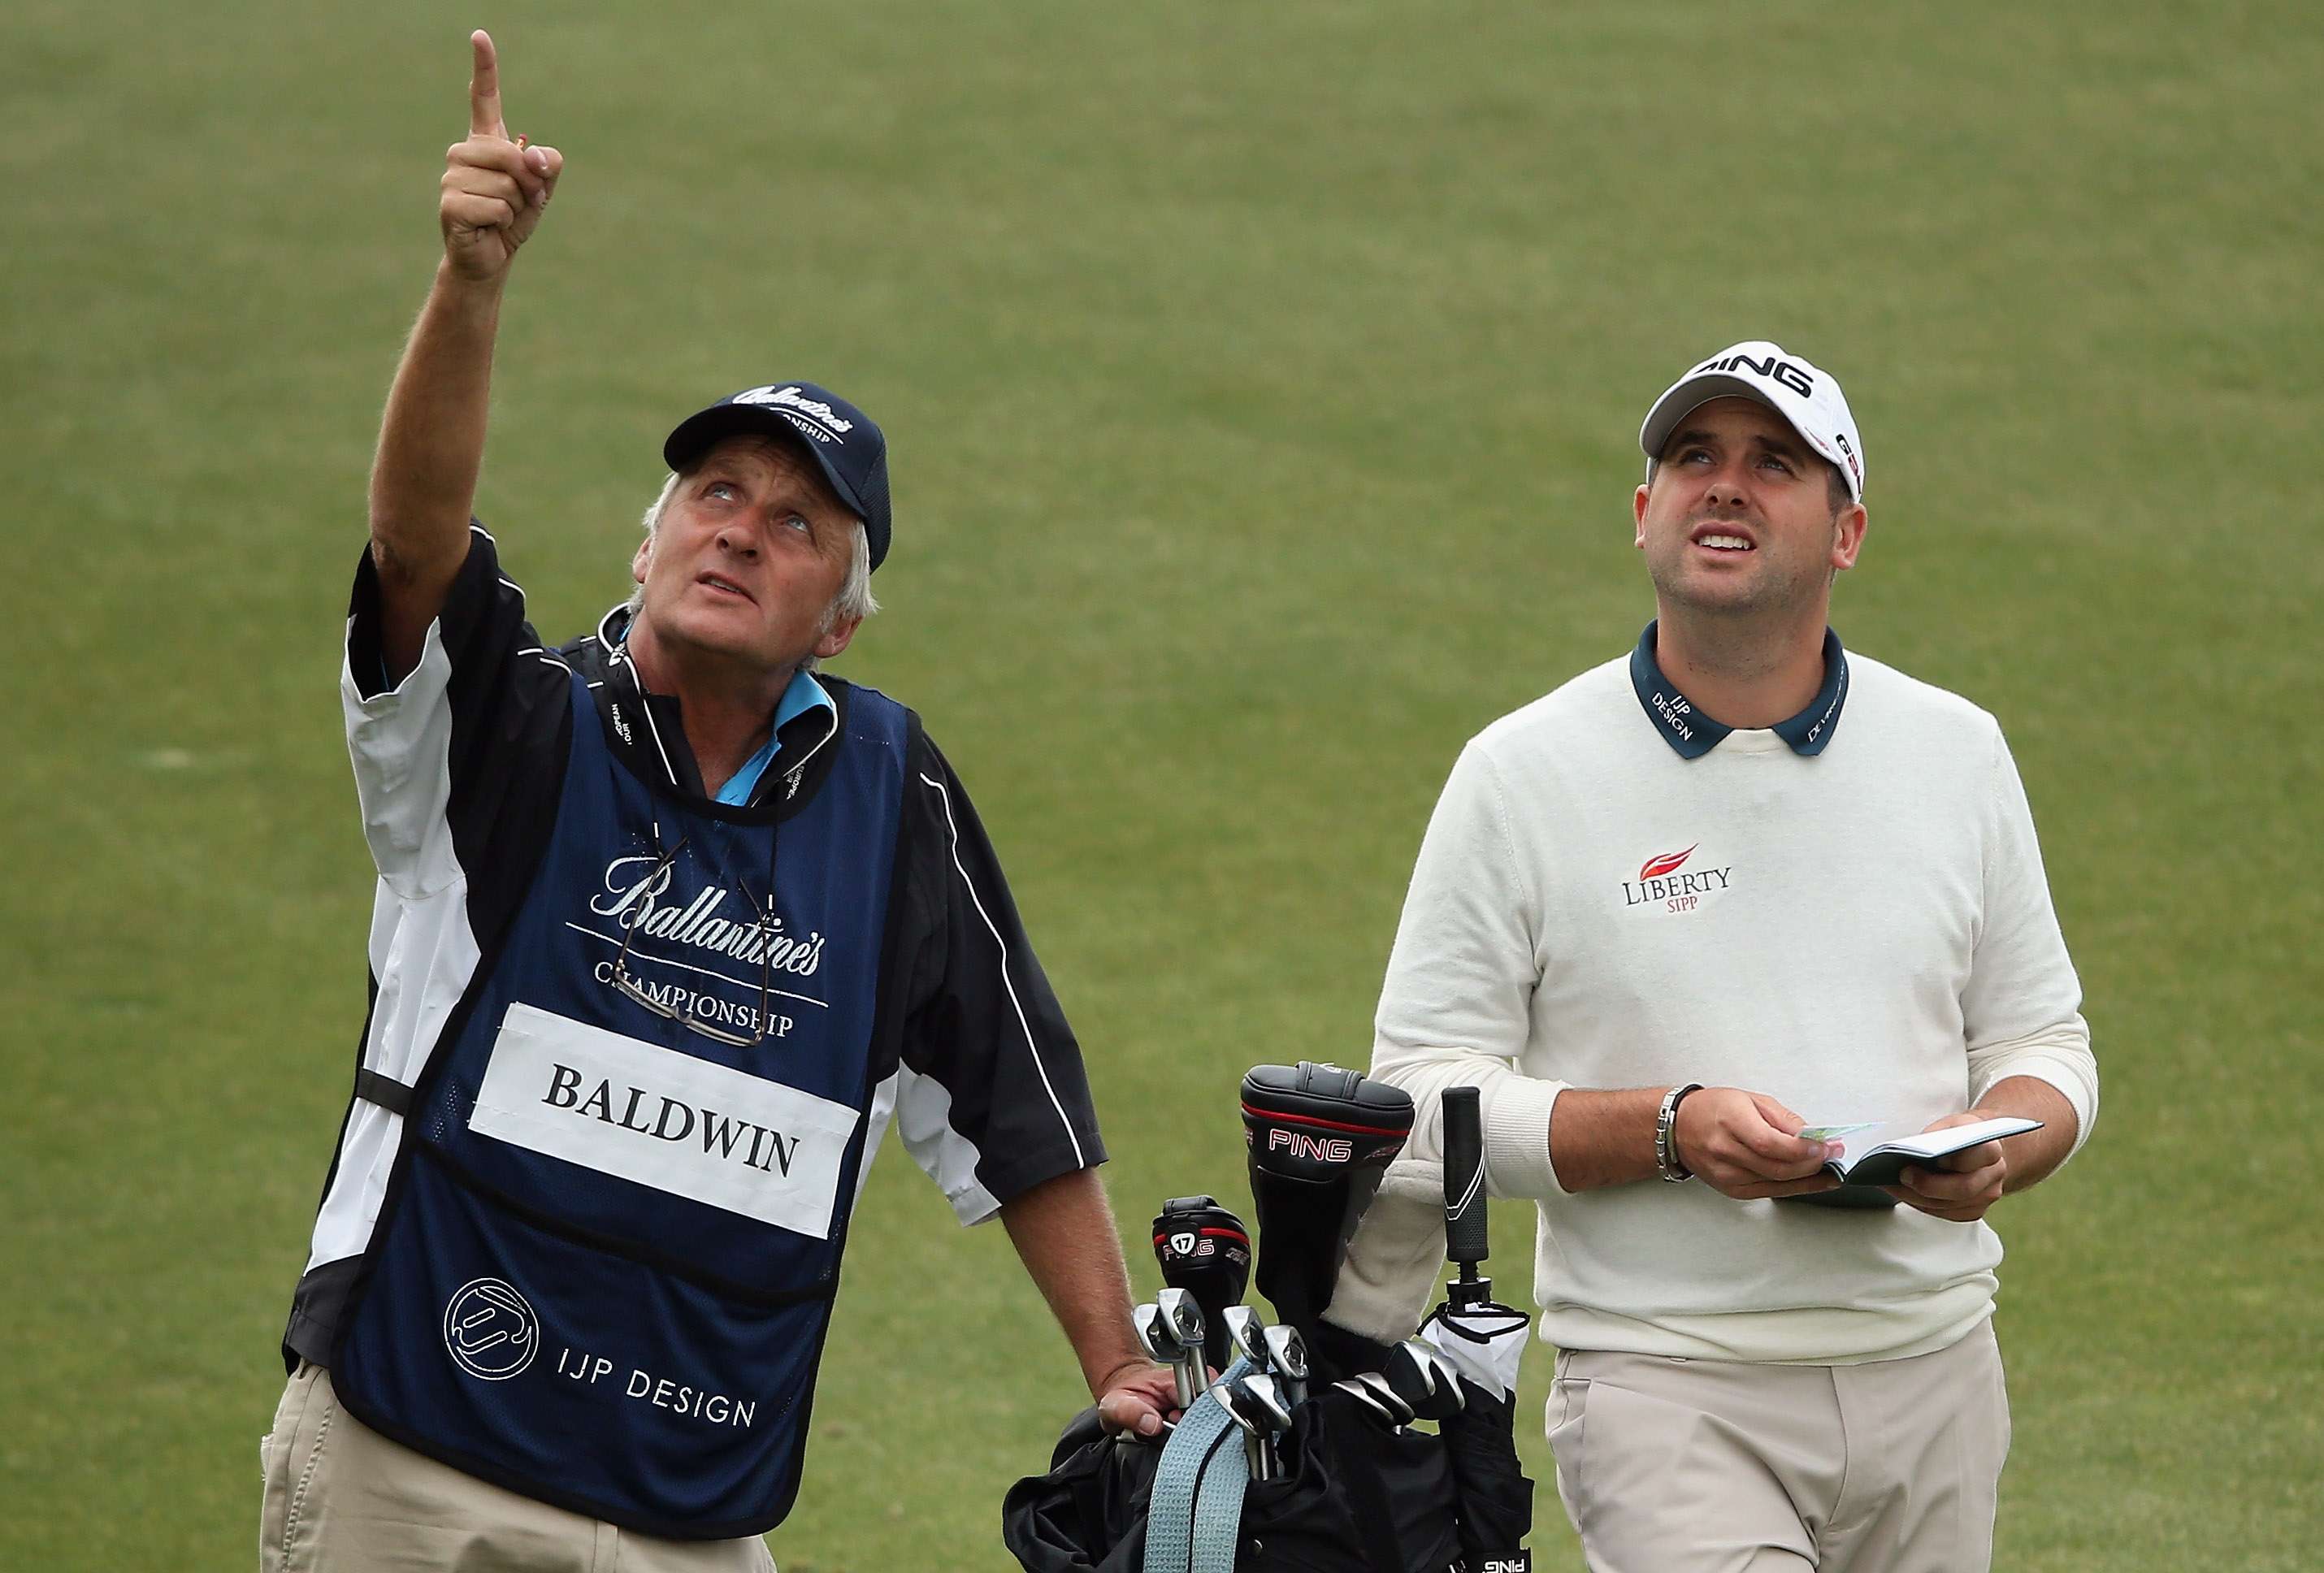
column 1877, row 1154
column 1953, row 1169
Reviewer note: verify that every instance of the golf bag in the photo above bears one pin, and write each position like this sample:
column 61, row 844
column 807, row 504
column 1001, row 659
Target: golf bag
column 1353, row 1491
column 1356, row 1496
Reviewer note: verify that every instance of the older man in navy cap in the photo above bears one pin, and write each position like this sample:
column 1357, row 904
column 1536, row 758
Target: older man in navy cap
column 669, row 930
column 1697, row 922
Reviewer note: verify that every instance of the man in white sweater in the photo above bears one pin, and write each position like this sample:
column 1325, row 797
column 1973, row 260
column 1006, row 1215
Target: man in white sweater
column 1733, row 886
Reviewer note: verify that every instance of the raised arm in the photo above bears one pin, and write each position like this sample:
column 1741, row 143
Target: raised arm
column 431, row 439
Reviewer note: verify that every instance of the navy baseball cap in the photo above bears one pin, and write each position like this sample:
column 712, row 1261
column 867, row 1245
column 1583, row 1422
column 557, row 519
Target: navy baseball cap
column 849, row 449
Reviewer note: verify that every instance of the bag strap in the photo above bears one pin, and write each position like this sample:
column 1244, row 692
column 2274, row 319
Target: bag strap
column 1194, row 1518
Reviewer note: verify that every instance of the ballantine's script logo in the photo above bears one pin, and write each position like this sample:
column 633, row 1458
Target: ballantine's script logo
column 490, row 1330
column 790, row 397
column 631, row 883
column 1660, row 879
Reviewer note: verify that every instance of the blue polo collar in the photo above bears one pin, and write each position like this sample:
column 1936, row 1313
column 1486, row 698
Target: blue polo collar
column 805, row 710
column 1692, row 734
column 804, row 694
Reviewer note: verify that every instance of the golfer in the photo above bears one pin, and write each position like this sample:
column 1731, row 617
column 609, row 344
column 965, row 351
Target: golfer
column 1732, row 888
column 668, row 931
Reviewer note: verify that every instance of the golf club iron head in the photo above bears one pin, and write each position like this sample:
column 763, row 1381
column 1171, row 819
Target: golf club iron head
column 1179, row 1328
column 1158, row 1335
column 1267, row 1395
column 1424, row 1380
column 1246, row 1333
column 1147, row 1322
column 1248, row 1412
column 1286, row 1360
column 1267, row 1392
column 1399, row 1412
column 1364, row 1395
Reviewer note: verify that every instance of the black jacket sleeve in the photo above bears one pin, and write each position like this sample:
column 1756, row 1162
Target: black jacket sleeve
column 983, row 1029
column 459, row 764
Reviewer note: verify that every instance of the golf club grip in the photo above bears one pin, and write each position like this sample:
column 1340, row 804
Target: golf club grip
column 1465, row 1234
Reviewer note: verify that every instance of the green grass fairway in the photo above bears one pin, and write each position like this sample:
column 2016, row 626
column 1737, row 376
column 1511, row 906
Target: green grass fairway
column 1263, row 383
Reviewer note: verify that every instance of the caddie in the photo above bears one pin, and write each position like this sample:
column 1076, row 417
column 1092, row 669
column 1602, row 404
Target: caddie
column 670, row 929
column 1737, row 887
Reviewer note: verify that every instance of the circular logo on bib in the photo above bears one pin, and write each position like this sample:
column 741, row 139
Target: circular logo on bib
column 490, row 1329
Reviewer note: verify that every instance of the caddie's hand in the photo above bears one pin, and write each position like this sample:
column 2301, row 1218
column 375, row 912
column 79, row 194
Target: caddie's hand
column 1963, row 1184
column 1747, row 1145
column 494, row 186
column 1138, row 1398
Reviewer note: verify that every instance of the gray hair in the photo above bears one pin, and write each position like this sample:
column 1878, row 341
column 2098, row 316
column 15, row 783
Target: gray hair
column 855, row 600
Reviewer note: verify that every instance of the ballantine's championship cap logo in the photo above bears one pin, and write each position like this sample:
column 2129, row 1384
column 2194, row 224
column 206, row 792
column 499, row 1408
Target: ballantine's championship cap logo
column 490, row 1330
column 783, row 401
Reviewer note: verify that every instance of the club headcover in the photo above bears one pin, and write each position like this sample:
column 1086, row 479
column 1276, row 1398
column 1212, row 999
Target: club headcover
column 1204, row 1249
column 1319, row 1138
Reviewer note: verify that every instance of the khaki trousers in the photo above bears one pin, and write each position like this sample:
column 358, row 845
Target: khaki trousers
column 341, row 1498
column 1671, row 1466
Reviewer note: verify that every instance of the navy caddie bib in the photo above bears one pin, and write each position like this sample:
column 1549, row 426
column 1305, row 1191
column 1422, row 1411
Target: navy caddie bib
column 605, row 1260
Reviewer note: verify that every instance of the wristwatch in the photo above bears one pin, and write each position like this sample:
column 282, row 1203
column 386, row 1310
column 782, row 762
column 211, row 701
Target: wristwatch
column 1667, row 1162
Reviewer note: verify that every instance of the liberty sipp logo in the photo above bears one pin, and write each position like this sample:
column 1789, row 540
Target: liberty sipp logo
column 1664, row 878
column 1668, row 863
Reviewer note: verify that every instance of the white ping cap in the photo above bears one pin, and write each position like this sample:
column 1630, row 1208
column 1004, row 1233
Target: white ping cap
column 1809, row 398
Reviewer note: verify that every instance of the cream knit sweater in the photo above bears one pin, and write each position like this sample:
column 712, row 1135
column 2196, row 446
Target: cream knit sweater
column 1865, row 935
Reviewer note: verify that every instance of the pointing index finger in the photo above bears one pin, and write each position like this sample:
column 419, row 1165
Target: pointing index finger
column 485, row 88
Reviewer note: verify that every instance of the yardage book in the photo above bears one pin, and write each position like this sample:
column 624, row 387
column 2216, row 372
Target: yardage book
column 1876, row 1153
